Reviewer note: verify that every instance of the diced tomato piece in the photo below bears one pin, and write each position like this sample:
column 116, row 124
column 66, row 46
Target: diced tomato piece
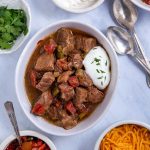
column 73, row 81
column 33, row 78
column 50, row 46
column 147, row 1
column 23, row 138
column 39, row 143
column 70, row 107
column 42, row 147
column 38, row 109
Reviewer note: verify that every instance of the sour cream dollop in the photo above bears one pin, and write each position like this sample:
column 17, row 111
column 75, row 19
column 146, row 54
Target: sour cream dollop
column 97, row 66
column 76, row 4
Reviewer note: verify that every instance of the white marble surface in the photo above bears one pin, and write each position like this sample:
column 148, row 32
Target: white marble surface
column 132, row 97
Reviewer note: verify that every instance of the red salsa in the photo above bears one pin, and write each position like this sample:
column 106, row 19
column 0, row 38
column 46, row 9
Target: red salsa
column 28, row 143
column 147, row 1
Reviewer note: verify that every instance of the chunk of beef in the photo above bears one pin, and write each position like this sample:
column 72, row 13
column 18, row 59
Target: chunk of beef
column 65, row 38
column 34, row 77
column 86, row 110
column 77, row 61
column 50, row 46
column 46, row 81
column 45, row 62
column 85, row 43
column 62, row 64
column 57, row 70
column 53, row 113
column 67, row 92
column 64, row 76
column 84, row 79
column 43, row 103
column 95, row 95
column 67, row 121
column 80, row 97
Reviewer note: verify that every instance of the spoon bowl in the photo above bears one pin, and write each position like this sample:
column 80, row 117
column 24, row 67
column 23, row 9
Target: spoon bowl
column 124, row 44
column 125, row 13
column 121, row 40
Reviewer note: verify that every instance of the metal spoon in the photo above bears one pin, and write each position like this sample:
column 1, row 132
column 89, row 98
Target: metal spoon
column 11, row 113
column 126, row 15
column 123, row 44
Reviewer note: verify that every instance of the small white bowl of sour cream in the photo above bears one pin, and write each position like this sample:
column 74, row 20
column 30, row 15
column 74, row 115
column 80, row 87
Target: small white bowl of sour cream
column 78, row 6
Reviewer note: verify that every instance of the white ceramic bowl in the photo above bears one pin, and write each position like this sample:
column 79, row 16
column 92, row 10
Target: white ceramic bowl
column 116, row 125
column 17, row 4
column 20, row 85
column 141, row 4
column 79, row 10
column 4, row 145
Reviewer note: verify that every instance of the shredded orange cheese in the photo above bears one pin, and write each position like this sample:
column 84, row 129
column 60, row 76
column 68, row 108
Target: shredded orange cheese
column 126, row 137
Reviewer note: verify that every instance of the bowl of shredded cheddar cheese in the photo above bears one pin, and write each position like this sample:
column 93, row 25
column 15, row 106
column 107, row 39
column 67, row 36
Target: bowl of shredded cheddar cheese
column 125, row 135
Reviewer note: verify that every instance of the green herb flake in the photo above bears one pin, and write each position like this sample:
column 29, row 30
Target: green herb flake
column 100, row 77
column 102, row 83
column 96, row 60
column 98, row 64
column 106, row 63
column 97, row 70
column 102, row 71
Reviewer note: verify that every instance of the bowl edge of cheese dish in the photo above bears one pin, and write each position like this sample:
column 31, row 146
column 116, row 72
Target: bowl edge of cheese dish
column 124, row 134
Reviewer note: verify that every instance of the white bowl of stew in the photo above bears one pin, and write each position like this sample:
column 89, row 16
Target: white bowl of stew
column 122, row 130
column 23, row 90
column 33, row 138
column 144, row 4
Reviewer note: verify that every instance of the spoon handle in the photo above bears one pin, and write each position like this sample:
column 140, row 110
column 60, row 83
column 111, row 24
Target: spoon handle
column 145, row 67
column 11, row 113
column 148, row 80
column 139, row 47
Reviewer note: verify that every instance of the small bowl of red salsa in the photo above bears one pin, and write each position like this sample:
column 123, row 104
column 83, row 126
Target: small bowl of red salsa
column 147, row 1
column 30, row 141
column 144, row 4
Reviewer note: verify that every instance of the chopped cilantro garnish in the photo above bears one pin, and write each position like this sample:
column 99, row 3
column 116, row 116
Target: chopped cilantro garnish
column 106, row 63
column 97, row 70
column 102, row 71
column 96, row 60
column 13, row 23
column 100, row 77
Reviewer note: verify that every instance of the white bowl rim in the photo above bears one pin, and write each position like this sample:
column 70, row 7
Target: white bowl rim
column 26, row 36
column 119, row 123
column 115, row 80
column 98, row 3
column 141, row 5
column 9, row 139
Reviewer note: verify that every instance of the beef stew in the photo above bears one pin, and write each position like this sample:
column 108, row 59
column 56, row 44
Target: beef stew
column 56, row 83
